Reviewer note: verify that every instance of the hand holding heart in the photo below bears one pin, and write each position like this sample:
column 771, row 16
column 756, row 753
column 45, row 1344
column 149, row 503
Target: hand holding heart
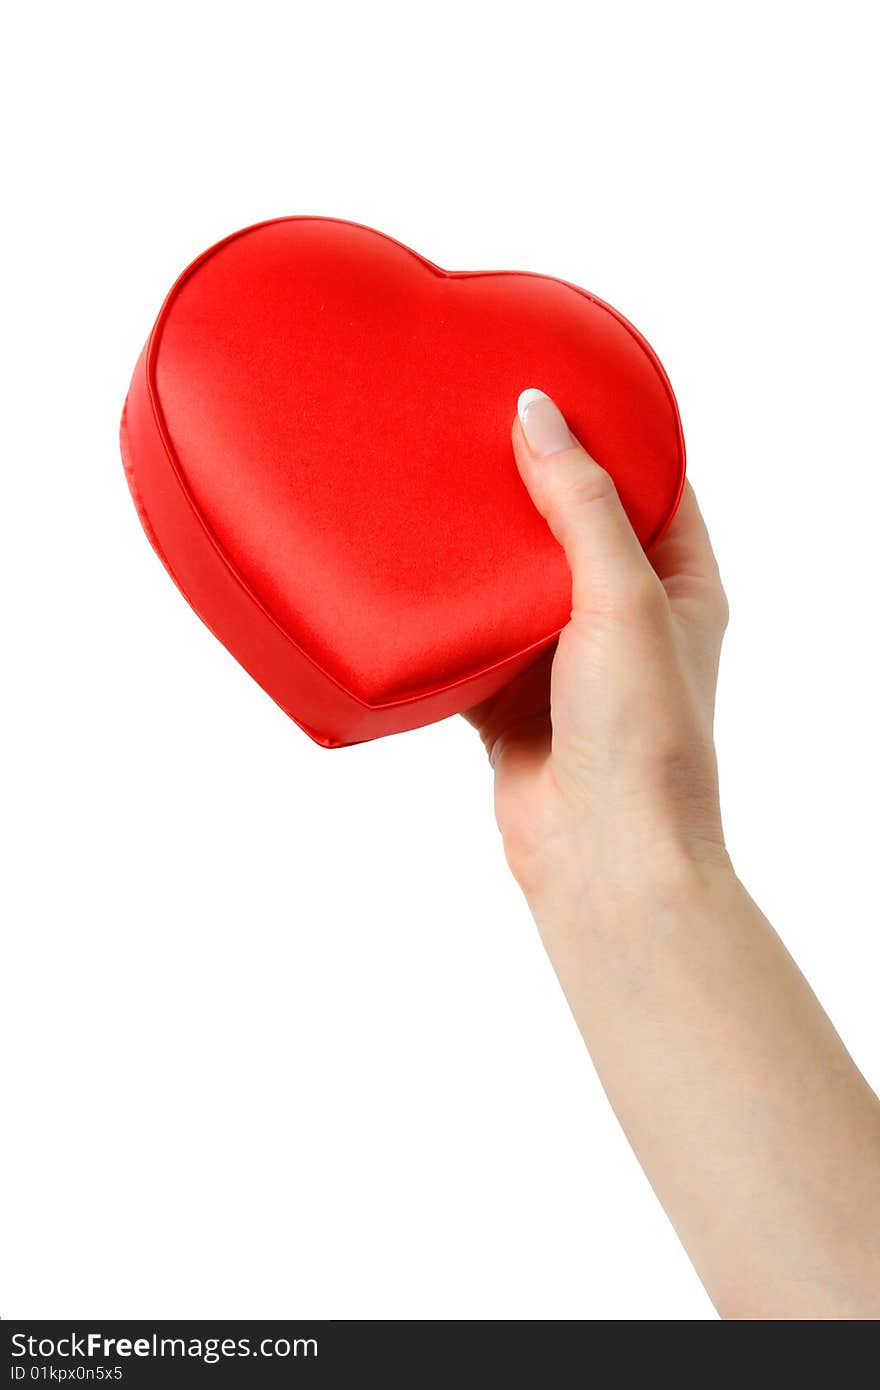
column 603, row 752
column 316, row 441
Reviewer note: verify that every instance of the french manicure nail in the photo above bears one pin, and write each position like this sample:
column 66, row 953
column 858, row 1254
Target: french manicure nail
column 543, row 423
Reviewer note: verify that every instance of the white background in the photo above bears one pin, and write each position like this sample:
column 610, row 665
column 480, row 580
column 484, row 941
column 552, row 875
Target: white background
column 279, row 1038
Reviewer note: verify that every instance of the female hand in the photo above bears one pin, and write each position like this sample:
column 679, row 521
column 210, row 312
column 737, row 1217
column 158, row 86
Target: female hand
column 623, row 781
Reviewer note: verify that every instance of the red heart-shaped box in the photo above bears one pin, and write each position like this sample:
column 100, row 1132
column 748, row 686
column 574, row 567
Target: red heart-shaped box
column 317, row 439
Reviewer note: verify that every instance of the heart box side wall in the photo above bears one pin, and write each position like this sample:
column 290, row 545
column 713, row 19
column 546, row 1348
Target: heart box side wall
column 317, row 440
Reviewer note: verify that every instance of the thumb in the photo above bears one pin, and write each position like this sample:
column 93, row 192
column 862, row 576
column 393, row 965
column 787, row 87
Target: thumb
column 580, row 504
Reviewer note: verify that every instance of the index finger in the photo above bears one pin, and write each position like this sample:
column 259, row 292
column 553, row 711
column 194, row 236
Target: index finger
column 684, row 559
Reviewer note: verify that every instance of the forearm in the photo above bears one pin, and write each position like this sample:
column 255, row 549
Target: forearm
column 755, row 1128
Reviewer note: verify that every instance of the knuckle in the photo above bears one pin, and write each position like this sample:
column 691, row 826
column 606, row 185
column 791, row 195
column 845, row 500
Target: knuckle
column 587, row 482
column 717, row 607
column 723, row 609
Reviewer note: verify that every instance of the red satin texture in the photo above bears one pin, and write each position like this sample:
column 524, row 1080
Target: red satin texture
column 317, row 438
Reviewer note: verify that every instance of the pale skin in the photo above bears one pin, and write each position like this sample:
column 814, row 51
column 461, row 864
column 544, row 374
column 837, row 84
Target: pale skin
column 754, row 1126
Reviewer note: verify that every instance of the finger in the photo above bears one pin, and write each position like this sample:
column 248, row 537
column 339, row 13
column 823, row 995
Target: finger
column 525, row 699
column 686, row 565
column 579, row 501
column 685, row 547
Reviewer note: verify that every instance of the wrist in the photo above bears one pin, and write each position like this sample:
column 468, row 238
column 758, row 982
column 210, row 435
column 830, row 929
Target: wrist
column 617, row 887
